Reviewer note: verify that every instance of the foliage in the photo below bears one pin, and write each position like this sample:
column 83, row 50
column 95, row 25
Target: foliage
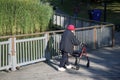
column 113, row 10
column 24, row 16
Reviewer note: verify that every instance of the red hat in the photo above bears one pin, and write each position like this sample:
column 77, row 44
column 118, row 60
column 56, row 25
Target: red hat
column 71, row 27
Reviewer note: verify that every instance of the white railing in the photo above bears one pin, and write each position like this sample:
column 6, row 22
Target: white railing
column 21, row 50
column 30, row 50
column 4, row 55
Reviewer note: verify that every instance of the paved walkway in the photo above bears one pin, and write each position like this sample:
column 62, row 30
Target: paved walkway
column 104, row 65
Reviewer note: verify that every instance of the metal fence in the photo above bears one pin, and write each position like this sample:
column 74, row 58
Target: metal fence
column 97, row 36
column 18, row 52
column 63, row 20
column 21, row 50
column 4, row 55
column 30, row 50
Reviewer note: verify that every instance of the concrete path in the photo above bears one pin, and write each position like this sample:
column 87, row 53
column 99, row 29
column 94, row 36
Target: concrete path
column 104, row 65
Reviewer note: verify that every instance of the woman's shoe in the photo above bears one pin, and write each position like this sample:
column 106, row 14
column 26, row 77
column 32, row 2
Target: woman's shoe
column 61, row 69
column 68, row 66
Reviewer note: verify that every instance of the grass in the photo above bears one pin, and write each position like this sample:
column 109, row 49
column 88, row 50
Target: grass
column 113, row 13
column 113, row 10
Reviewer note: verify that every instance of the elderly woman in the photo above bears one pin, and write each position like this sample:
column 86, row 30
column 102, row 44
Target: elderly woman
column 68, row 41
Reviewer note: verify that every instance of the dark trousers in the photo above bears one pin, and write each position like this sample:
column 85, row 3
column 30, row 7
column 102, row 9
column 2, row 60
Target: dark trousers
column 64, row 59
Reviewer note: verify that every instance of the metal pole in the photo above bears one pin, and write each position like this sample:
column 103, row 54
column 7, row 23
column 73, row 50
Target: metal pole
column 105, row 9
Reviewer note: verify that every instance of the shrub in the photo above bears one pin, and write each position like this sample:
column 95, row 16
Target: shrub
column 24, row 16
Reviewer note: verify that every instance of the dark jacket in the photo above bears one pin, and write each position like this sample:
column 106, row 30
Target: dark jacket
column 68, row 41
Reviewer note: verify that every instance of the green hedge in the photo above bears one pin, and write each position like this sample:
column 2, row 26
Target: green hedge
column 24, row 16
